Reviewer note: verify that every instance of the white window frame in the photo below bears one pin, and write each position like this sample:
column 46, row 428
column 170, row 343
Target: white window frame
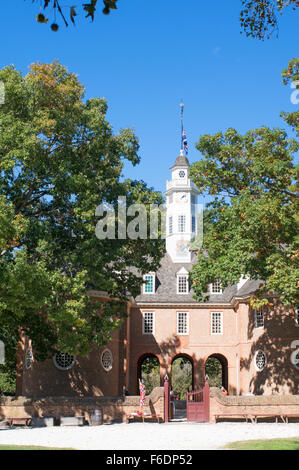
column 143, row 323
column 256, row 313
column 185, row 276
column 154, row 283
column 297, row 317
column 107, row 369
column 182, row 223
column 170, row 225
column 255, row 365
column 187, row 323
column 221, row 323
column 211, row 287
column 193, row 224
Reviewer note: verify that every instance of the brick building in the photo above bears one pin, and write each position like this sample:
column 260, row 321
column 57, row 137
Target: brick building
column 258, row 350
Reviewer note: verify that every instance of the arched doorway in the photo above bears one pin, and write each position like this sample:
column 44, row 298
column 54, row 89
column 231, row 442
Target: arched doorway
column 182, row 376
column 217, row 371
column 148, row 370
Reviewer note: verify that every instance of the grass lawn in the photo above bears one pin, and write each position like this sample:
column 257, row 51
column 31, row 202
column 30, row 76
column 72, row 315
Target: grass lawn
column 291, row 443
column 9, row 447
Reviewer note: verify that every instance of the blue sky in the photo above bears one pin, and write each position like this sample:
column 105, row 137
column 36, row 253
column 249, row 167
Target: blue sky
column 146, row 56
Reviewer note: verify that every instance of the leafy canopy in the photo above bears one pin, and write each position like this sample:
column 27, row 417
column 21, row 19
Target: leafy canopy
column 59, row 160
column 258, row 18
column 251, row 226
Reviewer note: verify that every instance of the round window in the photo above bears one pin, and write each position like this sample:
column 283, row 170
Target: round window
column 107, row 360
column 296, row 361
column 28, row 358
column 182, row 174
column 64, row 361
column 260, row 360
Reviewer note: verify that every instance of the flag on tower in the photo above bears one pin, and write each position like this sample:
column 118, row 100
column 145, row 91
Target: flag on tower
column 184, row 140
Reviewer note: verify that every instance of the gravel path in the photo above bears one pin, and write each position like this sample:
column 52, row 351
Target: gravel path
column 147, row 436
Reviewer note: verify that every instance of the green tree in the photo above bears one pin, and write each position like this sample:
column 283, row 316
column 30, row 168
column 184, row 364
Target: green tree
column 290, row 76
column 59, row 160
column 213, row 369
column 258, row 18
column 150, row 374
column 181, row 376
column 251, row 226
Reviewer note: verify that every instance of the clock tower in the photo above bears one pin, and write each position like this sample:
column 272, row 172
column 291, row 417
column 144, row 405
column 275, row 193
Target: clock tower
column 181, row 211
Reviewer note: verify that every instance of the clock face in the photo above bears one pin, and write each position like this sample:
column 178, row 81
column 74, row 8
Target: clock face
column 182, row 248
column 181, row 197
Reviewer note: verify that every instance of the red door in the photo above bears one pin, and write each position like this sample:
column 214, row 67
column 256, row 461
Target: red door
column 198, row 405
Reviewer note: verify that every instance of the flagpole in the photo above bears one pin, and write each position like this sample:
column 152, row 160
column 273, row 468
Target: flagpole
column 182, row 111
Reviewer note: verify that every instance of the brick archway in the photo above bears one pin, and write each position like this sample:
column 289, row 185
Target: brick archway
column 140, row 362
column 224, row 367
column 190, row 360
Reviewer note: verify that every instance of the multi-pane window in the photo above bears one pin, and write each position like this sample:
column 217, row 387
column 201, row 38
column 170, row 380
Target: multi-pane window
column 216, row 287
column 297, row 316
column 182, row 323
column 182, row 223
column 148, row 323
column 216, row 323
column 182, row 284
column 170, row 224
column 149, row 284
column 193, row 224
column 259, row 318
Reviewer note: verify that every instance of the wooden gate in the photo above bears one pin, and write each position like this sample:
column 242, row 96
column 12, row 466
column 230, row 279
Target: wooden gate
column 198, row 405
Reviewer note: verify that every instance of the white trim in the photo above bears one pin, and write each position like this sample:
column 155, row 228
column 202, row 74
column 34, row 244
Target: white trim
column 177, row 324
column 178, row 283
column 107, row 369
column 211, row 289
column 255, row 365
column 261, row 311
column 143, row 317
column 154, row 283
column 221, row 322
column 64, row 368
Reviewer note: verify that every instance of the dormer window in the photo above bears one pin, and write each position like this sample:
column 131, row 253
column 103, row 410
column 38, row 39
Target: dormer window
column 149, row 284
column 182, row 281
column 182, row 284
column 215, row 287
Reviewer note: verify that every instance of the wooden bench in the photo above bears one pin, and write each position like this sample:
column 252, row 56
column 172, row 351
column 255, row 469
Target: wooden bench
column 232, row 415
column 22, row 421
column 265, row 415
column 142, row 416
column 285, row 417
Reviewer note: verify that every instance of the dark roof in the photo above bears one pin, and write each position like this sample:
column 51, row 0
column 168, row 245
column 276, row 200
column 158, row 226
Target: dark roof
column 166, row 287
column 181, row 161
column 249, row 287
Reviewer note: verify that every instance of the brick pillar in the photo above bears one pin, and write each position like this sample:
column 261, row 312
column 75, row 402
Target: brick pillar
column 166, row 399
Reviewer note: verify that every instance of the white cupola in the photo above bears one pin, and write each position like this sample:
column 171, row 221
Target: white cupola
column 181, row 211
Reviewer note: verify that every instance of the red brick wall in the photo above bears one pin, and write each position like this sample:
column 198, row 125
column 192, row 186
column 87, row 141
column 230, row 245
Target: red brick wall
column 275, row 404
column 113, row 408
